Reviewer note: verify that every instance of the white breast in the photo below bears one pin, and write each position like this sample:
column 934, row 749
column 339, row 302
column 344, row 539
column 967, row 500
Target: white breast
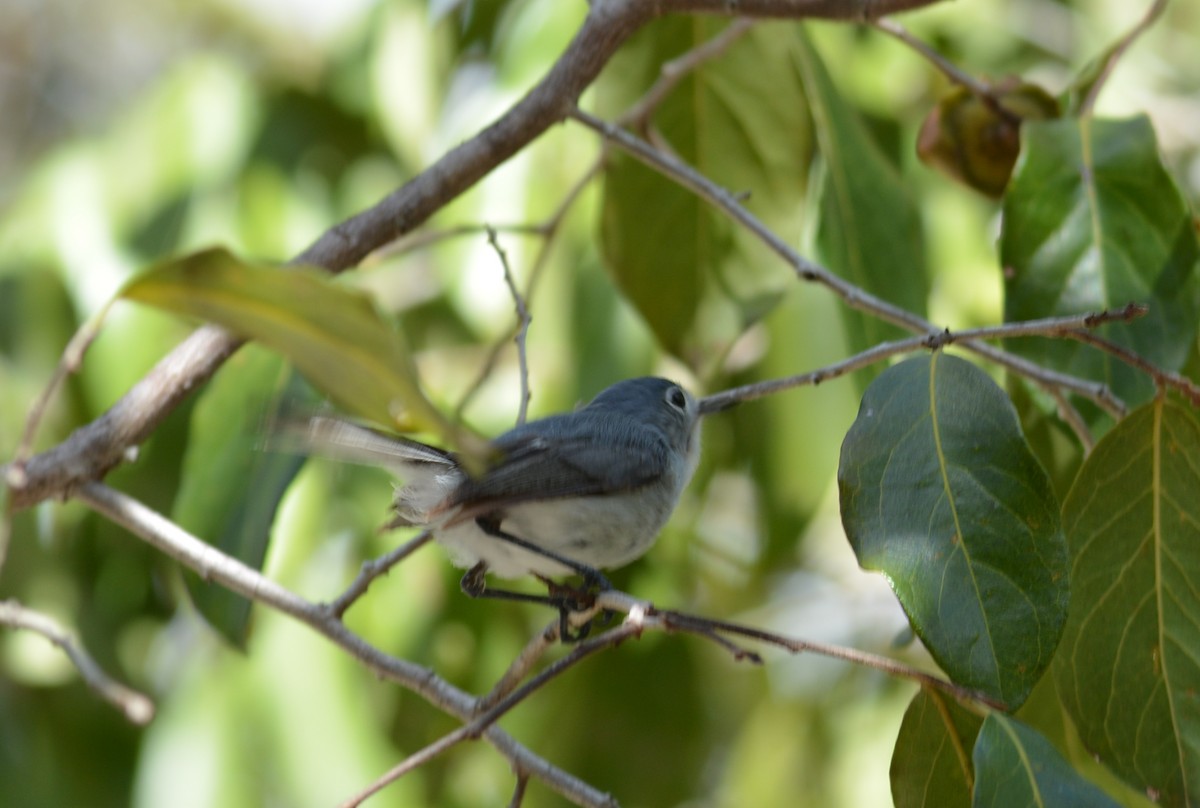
column 601, row 532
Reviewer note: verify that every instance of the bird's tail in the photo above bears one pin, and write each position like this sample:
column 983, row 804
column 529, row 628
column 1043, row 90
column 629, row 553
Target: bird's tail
column 429, row 473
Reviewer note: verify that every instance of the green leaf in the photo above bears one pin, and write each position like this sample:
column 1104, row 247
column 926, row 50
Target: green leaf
column 230, row 488
column 1092, row 221
column 334, row 334
column 869, row 230
column 1015, row 766
column 696, row 279
column 1129, row 668
column 941, row 493
column 931, row 765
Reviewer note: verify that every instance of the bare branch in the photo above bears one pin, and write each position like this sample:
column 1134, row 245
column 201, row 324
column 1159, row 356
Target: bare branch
column 678, row 621
column 1046, row 327
column 213, row 565
column 137, row 708
column 582, row 650
column 851, row 295
column 671, row 73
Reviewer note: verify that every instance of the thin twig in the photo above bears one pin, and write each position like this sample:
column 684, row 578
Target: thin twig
column 137, row 707
column 548, row 230
column 673, row 72
column 68, row 364
column 520, row 667
column 420, row 239
column 948, row 68
column 807, row 270
column 1164, row 378
column 1073, row 419
column 518, row 796
column 1114, row 56
column 679, row 621
column 523, row 320
column 373, row 569
column 15, row 475
column 552, row 225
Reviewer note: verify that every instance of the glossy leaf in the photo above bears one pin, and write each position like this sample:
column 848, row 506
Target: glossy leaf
column 1016, row 766
column 696, row 279
column 1128, row 670
column 1093, row 220
column 940, row 492
column 931, row 765
column 333, row 333
column 869, row 231
column 230, row 488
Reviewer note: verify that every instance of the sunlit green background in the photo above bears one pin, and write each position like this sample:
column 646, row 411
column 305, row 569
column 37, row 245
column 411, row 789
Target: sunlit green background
column 134, row 131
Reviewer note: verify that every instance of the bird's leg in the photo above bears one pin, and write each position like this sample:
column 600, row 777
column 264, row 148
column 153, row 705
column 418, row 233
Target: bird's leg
column 474, row 585
column 566, row 599
column 592, row 577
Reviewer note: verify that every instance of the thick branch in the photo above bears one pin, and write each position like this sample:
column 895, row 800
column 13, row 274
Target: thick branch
column 213, row 565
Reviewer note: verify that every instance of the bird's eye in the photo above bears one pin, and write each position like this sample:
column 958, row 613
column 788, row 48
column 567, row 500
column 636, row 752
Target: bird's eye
column 677, row 399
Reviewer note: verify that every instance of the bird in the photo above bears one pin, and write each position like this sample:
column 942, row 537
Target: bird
column 572, row 493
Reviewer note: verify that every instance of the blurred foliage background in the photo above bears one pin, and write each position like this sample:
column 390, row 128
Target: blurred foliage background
column 136, row 131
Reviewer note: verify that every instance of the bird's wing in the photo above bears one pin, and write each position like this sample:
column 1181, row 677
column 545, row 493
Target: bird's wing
column 548, row 463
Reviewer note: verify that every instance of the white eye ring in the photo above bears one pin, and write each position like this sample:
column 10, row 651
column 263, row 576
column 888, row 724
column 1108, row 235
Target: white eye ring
column 676, row 398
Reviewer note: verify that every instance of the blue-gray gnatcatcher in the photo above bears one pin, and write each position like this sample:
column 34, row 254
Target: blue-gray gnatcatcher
column 575, row 492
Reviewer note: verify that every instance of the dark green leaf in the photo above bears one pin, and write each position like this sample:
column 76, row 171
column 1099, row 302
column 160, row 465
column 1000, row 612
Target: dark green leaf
column 333, row 333
column 1092, row 221
column 931, row 765
column 940, row 492
column 230, row 488
column 1015, row 766
column 1129, row 667
column 696, row 279
column 870, row 229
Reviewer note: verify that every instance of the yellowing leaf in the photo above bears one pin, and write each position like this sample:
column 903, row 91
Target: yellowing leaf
column 333, row 333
